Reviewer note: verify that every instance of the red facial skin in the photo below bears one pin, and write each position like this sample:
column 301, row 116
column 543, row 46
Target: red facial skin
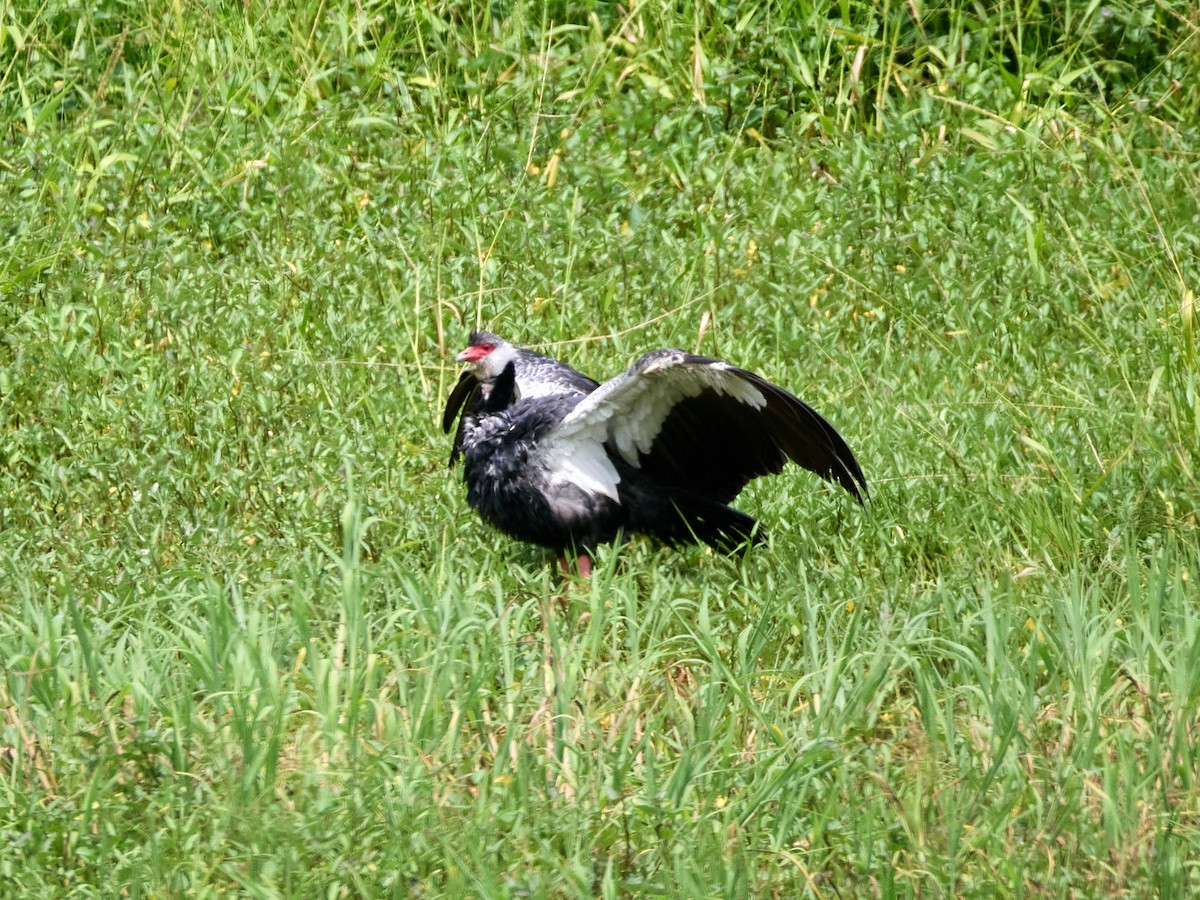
column 475, row 352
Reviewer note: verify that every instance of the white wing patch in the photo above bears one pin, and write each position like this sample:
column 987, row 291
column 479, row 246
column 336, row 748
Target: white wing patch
column 629, row 410
column 585, row 465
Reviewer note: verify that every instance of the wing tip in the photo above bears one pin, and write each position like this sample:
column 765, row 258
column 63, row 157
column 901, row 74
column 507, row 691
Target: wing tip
column 811, row 432
column 854, row 482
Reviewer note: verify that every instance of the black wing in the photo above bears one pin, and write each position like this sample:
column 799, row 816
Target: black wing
column 464, row 395
column 471, row 396
column 467, row 385
column 705, row 426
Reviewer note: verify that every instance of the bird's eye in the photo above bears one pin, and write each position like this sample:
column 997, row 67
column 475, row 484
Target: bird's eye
column 486, row 348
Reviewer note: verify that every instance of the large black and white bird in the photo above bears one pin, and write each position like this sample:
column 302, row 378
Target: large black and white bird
column 554, row 458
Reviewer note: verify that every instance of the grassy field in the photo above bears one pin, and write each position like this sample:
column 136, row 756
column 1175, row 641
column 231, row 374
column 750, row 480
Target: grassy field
column 255, row 642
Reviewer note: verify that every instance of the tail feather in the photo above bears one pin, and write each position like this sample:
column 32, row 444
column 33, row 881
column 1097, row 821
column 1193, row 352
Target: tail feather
column 687, row 519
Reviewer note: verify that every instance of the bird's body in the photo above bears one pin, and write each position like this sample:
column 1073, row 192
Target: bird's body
column 512, row 488
column 554, row 458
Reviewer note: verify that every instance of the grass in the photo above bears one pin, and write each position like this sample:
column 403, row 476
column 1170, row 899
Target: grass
column 255, row 642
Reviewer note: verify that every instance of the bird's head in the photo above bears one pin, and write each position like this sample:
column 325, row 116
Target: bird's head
column 487, row 354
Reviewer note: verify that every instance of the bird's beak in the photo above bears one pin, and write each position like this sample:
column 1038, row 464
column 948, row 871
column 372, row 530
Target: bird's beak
column 472, row 354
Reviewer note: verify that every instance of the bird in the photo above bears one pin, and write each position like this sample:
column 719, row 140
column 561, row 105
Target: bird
column 554, row 458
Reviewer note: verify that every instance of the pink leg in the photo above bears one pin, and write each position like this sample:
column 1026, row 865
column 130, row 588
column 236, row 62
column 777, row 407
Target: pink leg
column 583, row 565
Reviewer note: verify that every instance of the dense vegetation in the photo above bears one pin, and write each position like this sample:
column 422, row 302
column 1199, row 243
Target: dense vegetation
column 255, row 642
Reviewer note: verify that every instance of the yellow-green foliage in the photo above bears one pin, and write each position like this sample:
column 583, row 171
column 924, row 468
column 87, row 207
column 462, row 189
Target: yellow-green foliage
column 254, row 641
